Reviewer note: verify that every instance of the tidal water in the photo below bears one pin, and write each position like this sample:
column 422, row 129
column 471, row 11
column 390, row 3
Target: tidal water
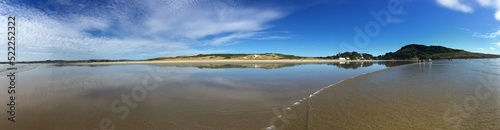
column 165, row 96
column 442, row 95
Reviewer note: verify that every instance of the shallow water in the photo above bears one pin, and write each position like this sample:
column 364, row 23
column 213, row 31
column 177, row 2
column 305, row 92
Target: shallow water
column 161, row 96
column 458, row 94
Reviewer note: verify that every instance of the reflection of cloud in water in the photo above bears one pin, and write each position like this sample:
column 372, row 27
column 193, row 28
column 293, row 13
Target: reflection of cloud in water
column 184, row 94
column 20, row 68
column 219, row 81
column 109, row 81
column 232, row 65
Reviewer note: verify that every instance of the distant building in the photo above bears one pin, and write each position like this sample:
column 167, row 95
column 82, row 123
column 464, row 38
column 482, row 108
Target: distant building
column 342, row 58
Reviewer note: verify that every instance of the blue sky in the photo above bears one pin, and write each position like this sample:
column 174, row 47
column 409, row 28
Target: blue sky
column 115, row 29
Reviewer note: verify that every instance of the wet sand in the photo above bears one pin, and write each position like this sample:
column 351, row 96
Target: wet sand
column 206, row 97
column 415, row 96
column 442, row 95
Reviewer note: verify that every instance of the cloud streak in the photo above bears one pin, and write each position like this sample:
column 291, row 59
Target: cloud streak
column 491, row 35
column 67, row 29
column 458, row 5
column 455, row 5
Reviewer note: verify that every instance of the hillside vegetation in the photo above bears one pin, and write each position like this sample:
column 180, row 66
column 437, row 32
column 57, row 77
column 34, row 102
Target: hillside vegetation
column 264, row 56
column 351, row 56
column 408, row 52
column 416, row 51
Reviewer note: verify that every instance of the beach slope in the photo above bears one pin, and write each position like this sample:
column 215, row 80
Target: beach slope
column 460, row 94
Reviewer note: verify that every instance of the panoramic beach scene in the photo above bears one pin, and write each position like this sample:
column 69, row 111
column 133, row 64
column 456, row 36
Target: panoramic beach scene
column 250, row 65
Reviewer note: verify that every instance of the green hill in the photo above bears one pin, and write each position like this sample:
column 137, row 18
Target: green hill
column 416, row 51
column 263, row 56
column 408, row 52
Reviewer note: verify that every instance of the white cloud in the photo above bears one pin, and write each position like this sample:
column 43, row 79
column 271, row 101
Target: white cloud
column 491, row 4
column 467, row 8
column 455, row 5
column 207, row 19
column 480, row 50
column 484, row 2
column 139, row 29
column 225, row 39
column 249, row 35
column 497, row 15
column 488, row 35
column 273, row 37
column 492, row 48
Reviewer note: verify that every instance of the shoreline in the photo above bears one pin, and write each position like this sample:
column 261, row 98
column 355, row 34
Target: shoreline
column 224, row 61
column 299, row 102
column 378, row 100
column 302, row 107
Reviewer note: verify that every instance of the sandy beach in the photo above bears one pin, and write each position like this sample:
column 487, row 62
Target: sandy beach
column 415, row 96
column 225, row 61
column 250, row 65
column 437, row 95
column 189, row 95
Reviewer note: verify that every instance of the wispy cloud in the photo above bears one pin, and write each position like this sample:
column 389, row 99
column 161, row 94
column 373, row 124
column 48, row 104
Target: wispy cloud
column 487, row 35
column 67, row 29
column 231, row 37
column 460, row 5
column 206, row 18
column 273, row 37
column 480, row 50
column 455, row 5
column 490, row 49
column 396, row 20
column 492, row 4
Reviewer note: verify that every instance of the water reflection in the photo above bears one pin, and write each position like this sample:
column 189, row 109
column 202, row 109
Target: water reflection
column 343, row 65
column 225, row 66
column 395, row 63
column 351, row 65
column 356, row 65
column 458, row 94
column 218, row 96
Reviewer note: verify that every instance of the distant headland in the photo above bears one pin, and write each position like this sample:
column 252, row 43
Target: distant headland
column 408, row 52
